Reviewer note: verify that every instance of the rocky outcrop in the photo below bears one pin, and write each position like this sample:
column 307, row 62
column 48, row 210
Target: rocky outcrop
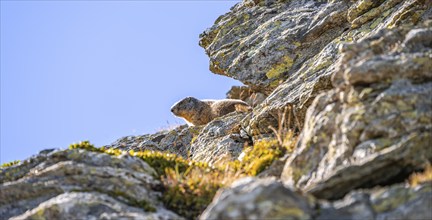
column 220, row 140
column 251, row 198
column 263, row 42
column 352, row 78
column 375, row 127
column 289, row 49
column 176, row 141
column 269, row 43
column 81, row 184
column 246, row 94
column 270, row 199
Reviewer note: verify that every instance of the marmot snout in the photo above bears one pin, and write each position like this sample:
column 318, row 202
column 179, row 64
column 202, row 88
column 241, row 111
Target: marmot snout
column 201, row 112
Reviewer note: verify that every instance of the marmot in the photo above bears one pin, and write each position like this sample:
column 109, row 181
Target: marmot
column 201, row 112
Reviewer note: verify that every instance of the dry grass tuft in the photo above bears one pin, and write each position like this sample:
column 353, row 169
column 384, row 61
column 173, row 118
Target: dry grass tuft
column 421, row 177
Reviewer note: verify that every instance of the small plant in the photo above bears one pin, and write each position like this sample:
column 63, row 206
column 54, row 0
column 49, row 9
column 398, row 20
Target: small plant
column 190, row 192
column 259, row 157
column 161, row 161
column 10, row 164
column 421, row 177
column 86, row 146
column 284, row 134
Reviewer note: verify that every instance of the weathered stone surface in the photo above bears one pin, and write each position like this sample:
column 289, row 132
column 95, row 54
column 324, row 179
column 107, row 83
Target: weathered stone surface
column 38, row 184
column 362, row 68
column 401, row 202
column 252, row 198
column 84, row 205
column 246, row 94
column 394, row 202
column 375, row 127
column 263, row 42
column 294, row 44
column 220, row 140
column 176, row 141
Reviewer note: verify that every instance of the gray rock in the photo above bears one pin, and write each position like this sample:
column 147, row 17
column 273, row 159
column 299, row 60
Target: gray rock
column 263, row 42
column 402, row 202
column 246, row 94
column 253, row 198
column 288, row 50
column 220, row 140
column 176, row 141
column 393, row 202
column 44, row 185
column 375, row 127
column 84, row 205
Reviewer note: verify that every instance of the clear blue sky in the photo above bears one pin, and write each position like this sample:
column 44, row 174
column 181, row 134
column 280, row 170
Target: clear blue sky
column 98, row 71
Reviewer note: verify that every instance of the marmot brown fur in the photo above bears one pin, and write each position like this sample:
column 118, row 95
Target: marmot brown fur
column 201, row 112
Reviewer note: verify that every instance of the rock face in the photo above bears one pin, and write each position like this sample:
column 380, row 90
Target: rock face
column 258, row 199
column 176, row 141
column 354, row 80
column 289, row 49
column 375, row 126
column 220, row 140
column 270, row 199
column 263, row 42
column 80, row 184
column 246, row 94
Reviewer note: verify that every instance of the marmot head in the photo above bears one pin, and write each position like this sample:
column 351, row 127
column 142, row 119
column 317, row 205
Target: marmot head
column 184, row 107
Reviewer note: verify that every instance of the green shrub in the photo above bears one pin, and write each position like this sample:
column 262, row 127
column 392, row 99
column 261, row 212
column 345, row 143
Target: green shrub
column 9, row 164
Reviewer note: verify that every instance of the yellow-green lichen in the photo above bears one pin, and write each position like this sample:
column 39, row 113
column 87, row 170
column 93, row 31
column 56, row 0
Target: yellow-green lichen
column 194, row 138
column 413, row 11
column 281, row 67
column 424, row 61
column 365, row 92
column 297, row 44
column 395, row 199
column 280, row 212
column 359, row 8
column 374, row 13
column 322, row 64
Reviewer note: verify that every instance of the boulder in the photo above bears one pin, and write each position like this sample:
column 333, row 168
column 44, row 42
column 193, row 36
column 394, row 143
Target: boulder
column 375, row 126
column 288, row 50
column 62, row 183
column 246, row 94
column 175, row 141
column 262, row 43
column 220, row 140
column 84, row 205
column 393, row 202
column 253, row 198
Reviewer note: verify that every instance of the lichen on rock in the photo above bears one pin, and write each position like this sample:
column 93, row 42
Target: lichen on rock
column 350, row 80
column 177, row 141
column 375, row 126
column 38, row 186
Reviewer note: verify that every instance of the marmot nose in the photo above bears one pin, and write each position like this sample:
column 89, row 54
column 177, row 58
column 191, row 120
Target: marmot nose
column 172, row 110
